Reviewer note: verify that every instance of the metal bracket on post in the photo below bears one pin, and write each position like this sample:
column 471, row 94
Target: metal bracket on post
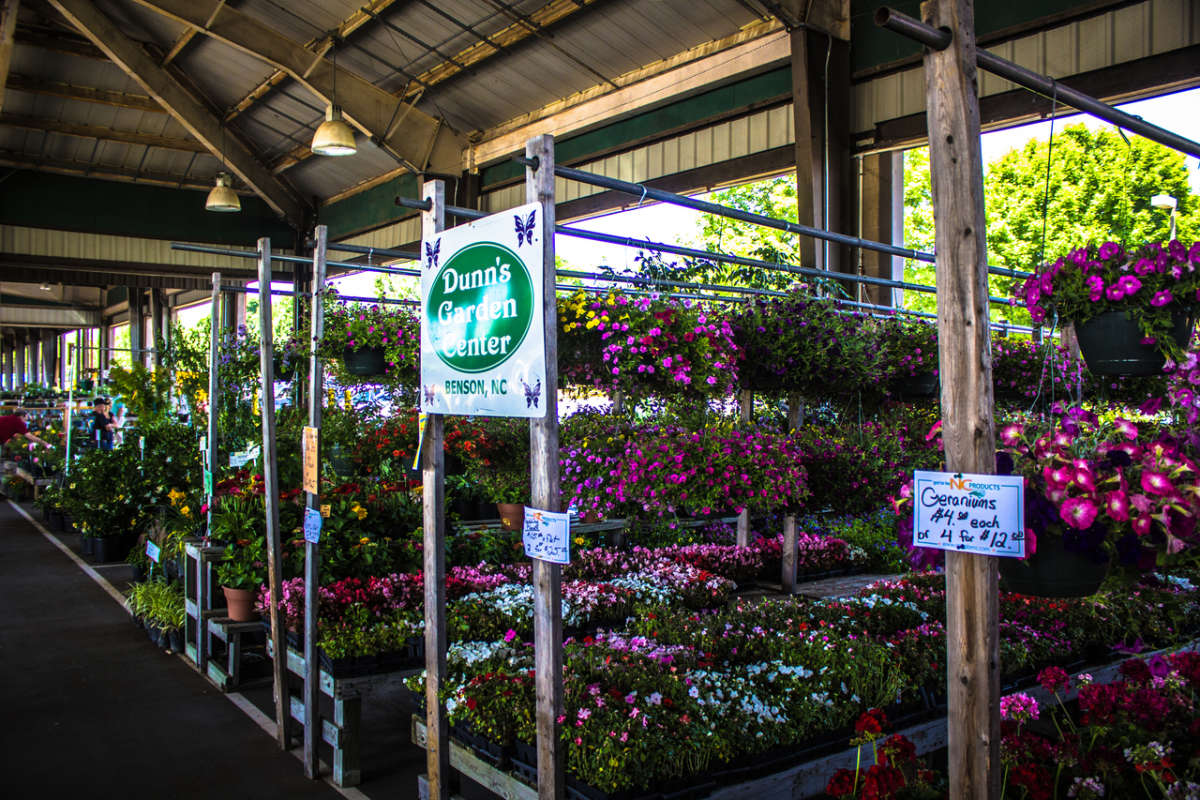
column 433, row 470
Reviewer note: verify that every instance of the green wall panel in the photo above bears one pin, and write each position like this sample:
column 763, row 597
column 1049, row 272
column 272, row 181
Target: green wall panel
column 90, row 205
column 872, row 46
column 368, row 209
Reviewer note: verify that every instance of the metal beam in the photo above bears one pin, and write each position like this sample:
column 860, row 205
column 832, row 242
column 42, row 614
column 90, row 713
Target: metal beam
column 100, row 132
column 88, row 94
column 68, row 167
column 48, row 317
column 348, row 26
column 182, row 105
column 58, row 42
column 74, row 271
column 8, row 27
column 420, row 142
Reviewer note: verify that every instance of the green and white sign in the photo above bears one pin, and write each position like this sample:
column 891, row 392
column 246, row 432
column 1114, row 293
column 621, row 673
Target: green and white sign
column 482, row 338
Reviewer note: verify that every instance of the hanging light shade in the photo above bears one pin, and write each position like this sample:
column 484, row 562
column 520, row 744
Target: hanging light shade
column 221, row 197
column 334, row 137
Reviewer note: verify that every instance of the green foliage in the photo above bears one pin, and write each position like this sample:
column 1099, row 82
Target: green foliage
column 1100, row 190
column 158, row 604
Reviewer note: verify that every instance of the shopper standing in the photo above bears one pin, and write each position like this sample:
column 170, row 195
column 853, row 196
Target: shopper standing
column 103, row 423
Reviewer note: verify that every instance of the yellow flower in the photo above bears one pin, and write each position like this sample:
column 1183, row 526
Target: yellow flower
column 186, row 511
column 579, row 540
column 364, row 540
column 361, row 513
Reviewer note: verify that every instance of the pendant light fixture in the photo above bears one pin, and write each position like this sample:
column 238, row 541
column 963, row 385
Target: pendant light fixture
column 334, row 137
column 222, row 197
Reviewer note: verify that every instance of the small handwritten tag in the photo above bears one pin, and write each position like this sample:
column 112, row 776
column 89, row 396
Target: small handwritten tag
column 982, row 514
column 208, row 482
column 152, row 551
column 312, row 525
column 547, row 535
column 326, row 510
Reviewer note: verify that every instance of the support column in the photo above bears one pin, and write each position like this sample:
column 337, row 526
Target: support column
column 137, row 327
column 20, row 351
column 881, row 218
column 50, row 365
column 820, row 97
column 6, row 361
column 159, row 330
column 233, row 311
column 103, row 342
column 32, row 344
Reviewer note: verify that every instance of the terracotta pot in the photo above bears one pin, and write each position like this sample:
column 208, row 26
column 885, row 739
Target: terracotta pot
column 512, row 515
column 240, row 604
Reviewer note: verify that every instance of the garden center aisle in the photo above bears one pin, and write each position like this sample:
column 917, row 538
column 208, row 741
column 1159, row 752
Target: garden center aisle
column 88, row 711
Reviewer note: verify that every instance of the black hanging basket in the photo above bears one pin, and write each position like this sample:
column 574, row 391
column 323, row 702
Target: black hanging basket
column 923, row 384
column 364, row 362
column 1053, row 571
column 1111, row 344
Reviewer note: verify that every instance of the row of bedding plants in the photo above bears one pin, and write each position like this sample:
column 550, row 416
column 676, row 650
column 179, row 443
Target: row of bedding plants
column 366, row 616
column 712, row 694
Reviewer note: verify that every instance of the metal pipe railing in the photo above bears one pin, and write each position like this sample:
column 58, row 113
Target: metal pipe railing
column 221, row 251
column 939, row 39
column 689, row 252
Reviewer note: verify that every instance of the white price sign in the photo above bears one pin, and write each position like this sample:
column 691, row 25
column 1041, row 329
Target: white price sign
column 983, row 514
column 547, row 535
column 483, row 348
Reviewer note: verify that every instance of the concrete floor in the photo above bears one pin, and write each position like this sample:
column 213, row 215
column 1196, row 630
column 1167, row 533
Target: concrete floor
column 91, row 707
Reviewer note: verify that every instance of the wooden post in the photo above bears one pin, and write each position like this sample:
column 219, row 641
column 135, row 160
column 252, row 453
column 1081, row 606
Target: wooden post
column 787, row 580
column 271, row 492
column 972, row 621
column 312, row 550
column 745, row 415
column 433, row 471
column 546, row 494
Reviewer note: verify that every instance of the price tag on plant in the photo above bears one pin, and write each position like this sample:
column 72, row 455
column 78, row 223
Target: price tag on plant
column 983, row 514
column 312, row 525
column 208, row 483
column 547, row 535
column 308, row 451
column 152, row 551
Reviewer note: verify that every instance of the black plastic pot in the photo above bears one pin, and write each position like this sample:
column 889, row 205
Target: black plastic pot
column 365, row 361
column 107, row 549
column 88, row 544
column 1053, row 571
column 175, row 640
column 1111, row 344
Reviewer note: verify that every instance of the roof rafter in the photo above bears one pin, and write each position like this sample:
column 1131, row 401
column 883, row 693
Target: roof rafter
column 414, row 138
column 349, row 25
column 8, row 27
column 100, row 132
column 61, row 166
column 88, row 94
column 190, row 112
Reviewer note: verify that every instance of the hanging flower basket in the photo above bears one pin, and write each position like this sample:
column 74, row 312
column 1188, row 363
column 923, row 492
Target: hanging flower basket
column 365, row 361
column 923, row 384
column 1052, row 571
column 1112, row 344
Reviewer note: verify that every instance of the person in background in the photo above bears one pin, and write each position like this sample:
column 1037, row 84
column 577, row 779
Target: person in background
column 102, row 423
column 14, row 423
column 119, row 423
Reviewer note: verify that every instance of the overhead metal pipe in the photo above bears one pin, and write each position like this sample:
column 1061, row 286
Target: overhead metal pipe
column 939, row 39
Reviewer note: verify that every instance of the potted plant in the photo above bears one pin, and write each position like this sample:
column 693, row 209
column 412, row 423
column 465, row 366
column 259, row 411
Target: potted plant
column 377, row 341
column 1132, row 309
column 497, row 464
column 908, row 355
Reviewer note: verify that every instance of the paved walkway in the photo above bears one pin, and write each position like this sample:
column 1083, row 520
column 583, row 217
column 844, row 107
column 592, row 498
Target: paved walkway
column 91, row 708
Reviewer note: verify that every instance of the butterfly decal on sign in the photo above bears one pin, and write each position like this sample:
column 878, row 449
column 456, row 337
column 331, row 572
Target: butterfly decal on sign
column 525, row 229
column 432, row 253
column 430, row 393
column 532, row 393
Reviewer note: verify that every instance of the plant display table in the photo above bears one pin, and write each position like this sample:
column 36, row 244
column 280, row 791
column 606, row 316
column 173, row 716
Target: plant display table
column 198, row 589
column 342, row 731
column 228, row 676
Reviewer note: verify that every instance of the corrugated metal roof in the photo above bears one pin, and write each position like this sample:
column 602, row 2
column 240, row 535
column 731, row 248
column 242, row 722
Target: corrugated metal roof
column 589, row 42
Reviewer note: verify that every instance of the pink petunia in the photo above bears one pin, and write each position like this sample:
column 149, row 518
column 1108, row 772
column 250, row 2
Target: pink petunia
column 1078, row 512
column 1126, row 428
column 1157, row 483
column 1161, row 298
column 1117, row 506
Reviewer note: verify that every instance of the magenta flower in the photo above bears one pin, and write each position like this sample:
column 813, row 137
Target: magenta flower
column 1054, row 679
column 1114, row 292
column 1126, row 428
column 1129, row 284
column 1011, row 434
column 1078, row 512
column 1095, row 285
column 1161, row 298
column 1117, row 505
column 1058, row 477
column 1157, row 483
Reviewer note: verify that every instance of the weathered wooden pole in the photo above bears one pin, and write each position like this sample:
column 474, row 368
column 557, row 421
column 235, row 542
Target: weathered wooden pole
column 266, row 355
column 433, row 471
column 972, row 621
column 312, row 550
column 547, row 495
column 745, row 416
column 787, row 580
